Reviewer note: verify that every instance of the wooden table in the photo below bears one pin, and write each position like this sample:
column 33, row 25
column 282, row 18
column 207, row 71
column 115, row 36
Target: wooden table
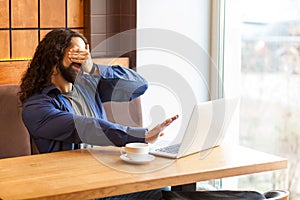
column 99, row 172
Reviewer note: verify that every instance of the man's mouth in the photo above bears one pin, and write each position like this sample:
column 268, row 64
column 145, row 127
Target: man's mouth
column 76, row 65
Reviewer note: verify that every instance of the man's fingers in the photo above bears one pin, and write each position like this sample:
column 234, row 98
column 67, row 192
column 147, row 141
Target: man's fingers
column 175, row 117
column 167, row 122
column 77, row 54
column 157, row 130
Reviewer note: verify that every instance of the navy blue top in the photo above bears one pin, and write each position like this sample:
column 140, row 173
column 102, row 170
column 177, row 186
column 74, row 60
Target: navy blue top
column 53, row 124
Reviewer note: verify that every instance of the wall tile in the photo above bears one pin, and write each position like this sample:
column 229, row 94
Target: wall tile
column 125, row 23
column 113, row 7
column 119, row 16
column 128, row 41
column 133, row 7
column 113, row 43
column 98, row 7
column 125, row 6
column 113, row 24
column 132, row 22
column 98, row 24
column 96, row 42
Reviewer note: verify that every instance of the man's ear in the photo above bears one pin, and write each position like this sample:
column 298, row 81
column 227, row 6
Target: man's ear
column 56, row 70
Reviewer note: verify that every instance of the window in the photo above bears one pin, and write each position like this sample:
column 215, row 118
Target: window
column 270, row 85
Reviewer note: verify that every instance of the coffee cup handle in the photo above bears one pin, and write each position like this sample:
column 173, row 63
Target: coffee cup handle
column 122, row 151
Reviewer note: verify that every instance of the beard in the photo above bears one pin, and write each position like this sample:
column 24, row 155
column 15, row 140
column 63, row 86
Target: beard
column 68, row 73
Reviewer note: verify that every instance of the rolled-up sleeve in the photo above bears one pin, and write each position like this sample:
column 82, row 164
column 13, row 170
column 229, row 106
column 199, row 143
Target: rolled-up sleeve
column 44, row 120
column 120, row 84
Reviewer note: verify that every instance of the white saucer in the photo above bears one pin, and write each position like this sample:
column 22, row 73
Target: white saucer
column 148, row 159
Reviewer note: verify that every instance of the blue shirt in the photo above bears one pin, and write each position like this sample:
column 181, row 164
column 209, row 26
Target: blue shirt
column 53, row 124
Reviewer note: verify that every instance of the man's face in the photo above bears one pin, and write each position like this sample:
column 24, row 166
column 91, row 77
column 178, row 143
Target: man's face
column 69, row 69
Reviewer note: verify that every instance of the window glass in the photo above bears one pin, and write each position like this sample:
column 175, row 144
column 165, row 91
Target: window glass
column 270, row 88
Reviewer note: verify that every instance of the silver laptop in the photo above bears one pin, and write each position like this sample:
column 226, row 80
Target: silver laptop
column 206, row 129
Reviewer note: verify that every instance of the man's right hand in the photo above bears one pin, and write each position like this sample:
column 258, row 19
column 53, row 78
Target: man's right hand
column 152, row 135
column 83, row 57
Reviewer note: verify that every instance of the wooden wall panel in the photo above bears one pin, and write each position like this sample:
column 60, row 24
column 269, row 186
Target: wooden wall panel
column 24, row 43
column 43, row 33
column 4, row 13
column 52, row 13
column 78, row 30
column 75, row 13
column 21, row 30
column 24, row 13
column 4, row 44
column 11, row 72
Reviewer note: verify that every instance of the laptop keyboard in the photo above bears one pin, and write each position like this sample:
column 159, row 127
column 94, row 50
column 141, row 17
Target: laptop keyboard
column 172, row 149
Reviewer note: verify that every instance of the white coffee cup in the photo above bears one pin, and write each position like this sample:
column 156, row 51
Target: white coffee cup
column 135, row 151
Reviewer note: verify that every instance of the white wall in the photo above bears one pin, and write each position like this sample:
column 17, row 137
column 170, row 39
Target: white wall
column 173, row 39
column 190, row 19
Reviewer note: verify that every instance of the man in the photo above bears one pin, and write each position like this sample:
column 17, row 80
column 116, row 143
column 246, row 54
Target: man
column 62, row 93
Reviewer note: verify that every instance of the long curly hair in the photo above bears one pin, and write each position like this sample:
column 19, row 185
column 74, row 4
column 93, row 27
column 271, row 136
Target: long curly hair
column 49, row 53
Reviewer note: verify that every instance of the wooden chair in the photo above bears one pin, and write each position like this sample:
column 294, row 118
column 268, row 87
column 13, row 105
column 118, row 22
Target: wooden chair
column 277, row 195
column 125, row 113
column 225, row 195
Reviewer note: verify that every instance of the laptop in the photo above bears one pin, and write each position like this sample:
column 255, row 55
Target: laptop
column 206, row 129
